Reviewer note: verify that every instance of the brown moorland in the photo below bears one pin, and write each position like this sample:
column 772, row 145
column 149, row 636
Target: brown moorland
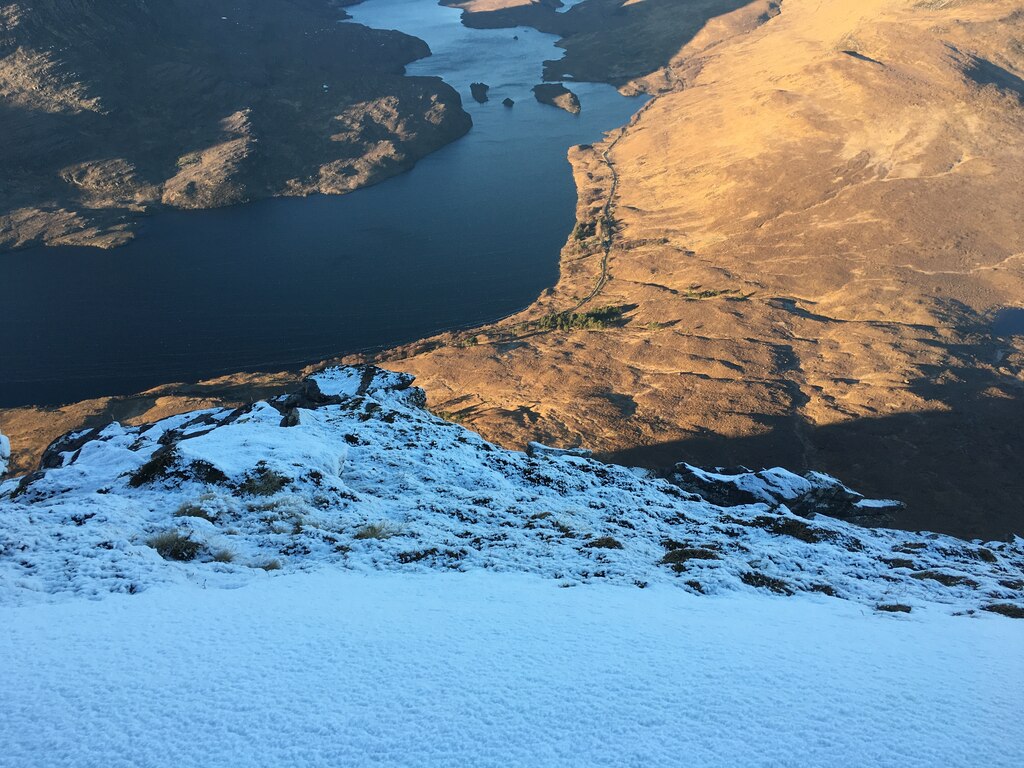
column 810, row 228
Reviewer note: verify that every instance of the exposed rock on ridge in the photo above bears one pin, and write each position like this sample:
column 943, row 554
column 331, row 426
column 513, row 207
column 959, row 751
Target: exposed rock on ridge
column 358, row 475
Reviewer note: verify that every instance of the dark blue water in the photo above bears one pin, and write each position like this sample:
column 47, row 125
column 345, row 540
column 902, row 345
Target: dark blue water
column 470, row 235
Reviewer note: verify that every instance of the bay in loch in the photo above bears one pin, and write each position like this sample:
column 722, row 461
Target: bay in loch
column 470, row 235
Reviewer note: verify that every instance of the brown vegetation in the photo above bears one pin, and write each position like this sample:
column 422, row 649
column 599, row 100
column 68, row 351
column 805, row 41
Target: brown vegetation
column 853, row 173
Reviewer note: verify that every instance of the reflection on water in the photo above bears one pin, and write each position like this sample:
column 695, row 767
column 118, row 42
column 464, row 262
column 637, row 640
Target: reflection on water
column 471, row 234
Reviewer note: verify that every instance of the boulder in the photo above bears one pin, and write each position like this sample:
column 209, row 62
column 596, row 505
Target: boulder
column 479, row 91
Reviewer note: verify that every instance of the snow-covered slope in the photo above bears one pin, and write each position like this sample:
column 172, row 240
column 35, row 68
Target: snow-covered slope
column 472, row 670
column 418, row 619
column 355, row 473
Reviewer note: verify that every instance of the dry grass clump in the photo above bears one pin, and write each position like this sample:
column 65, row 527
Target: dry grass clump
column 1006, row 609
column 263, row 482
column 945, row 579
column 193, row 509
column 376, row 531
column 763, row 581
column 604, row 542
column 175, row 545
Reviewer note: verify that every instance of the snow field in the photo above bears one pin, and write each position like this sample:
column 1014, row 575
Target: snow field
column 484, row 669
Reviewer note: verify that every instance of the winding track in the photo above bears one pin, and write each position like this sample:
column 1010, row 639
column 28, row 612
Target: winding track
column 606, row 220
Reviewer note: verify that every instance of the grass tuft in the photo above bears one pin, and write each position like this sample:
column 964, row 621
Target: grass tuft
column 192, row 509
column 175, row 545
column 263, row 482
column 604, row 542
column 376, row 531
column 159, row 466
column 945, row 579
column 763, row 581
column 1006, row 609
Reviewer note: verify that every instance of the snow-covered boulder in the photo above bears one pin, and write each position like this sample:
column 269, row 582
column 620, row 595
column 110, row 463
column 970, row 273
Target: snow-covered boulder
column 807, row 495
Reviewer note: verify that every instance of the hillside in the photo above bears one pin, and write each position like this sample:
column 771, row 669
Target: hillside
column 111, row 109
column 812, row 233
column 340, row 577
column 812, row 230
column 351, row 471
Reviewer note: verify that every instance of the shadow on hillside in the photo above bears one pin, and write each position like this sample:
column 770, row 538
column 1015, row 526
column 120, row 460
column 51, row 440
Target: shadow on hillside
column 610, row 40
column 959, row 472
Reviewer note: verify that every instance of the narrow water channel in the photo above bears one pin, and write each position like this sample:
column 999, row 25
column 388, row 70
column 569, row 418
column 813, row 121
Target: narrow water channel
column 471, row 234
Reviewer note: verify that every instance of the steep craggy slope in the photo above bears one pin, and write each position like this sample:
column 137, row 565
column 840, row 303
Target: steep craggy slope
column 811, row 229
column 352, row 471
column 111, row 108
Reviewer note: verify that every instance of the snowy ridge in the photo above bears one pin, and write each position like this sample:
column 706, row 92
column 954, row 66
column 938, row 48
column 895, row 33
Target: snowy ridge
column 354, row 473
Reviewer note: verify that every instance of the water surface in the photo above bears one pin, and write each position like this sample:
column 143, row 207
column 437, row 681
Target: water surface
column 469, row 235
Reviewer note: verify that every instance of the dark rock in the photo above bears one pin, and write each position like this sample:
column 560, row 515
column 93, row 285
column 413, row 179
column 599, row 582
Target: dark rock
column 557, row 95
column 72, row 442
column 508, row 102
column 479, row 91
column 804, row 495
column 893, row 608
column 309, row 397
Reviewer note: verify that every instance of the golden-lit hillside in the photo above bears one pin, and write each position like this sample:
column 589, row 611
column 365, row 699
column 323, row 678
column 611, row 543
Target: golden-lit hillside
column 813, row 224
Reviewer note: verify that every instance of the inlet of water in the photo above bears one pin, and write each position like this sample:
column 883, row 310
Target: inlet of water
column 471, row 234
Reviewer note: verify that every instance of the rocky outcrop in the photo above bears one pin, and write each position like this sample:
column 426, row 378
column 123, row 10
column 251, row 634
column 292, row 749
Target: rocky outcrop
column 479, row 91
column 508, row 102
column 119, row 107
column 806, row 495
column 557, row 95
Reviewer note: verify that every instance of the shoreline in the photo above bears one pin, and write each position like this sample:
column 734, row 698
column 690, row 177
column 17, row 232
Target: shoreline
column 237, row 115
column 33, row 427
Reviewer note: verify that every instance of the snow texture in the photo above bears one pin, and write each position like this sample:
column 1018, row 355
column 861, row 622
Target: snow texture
column 482, row 669
column 354, row 473
column 5, row 453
